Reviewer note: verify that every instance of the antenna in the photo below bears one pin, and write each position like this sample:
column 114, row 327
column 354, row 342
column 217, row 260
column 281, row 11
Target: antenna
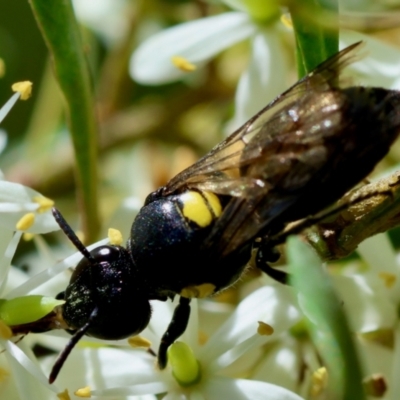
column 71, row 235
column 70, row 345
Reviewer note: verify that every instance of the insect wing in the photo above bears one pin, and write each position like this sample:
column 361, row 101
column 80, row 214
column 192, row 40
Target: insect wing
column 293, row 147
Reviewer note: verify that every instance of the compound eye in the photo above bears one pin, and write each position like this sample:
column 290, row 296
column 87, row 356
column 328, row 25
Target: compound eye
column 101, row 255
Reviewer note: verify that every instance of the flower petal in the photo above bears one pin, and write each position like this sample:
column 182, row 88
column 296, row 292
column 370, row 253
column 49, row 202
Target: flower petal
column 15, row 201
column 242, row 389
column 274, row 305
column 265, row 77
column 196, row 41
column 381, row 67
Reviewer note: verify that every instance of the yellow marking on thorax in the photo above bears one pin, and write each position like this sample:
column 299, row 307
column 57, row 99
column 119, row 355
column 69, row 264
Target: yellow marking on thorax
column 200, row 208
column 199, row 291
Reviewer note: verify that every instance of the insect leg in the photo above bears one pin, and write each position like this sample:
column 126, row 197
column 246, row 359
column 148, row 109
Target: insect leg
column 175, row 329
column 71, row 344
column 265, row 254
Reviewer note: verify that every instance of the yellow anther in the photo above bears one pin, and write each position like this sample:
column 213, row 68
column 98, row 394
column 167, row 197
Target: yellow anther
column 2, row 68
column 199, row 292
column 115, row 237
column 28, row 236
column 5, row 331
column 64, row 395
column 388, row 279
column 25, row 222
column 24, row 88
column 203, row 337
column 4, row 374
column 83, row 392
column 287, row 20
column 183, row 64
column 264, row 329
column 139, row 341
column 45, row 204
column 375, row 385
column 319, row 381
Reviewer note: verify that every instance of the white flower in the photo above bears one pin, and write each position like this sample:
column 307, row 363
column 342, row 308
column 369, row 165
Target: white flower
column 200, row 40
column 133, row 373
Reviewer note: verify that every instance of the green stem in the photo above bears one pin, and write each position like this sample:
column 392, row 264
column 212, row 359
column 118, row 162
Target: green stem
column 317, row 34
column 60, row 30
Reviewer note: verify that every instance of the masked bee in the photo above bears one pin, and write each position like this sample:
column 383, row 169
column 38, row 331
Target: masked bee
column 194, row 236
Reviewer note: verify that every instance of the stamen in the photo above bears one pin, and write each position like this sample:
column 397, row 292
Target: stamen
column 264, row 329
column 183, row 64
column 45, row 204
column 4, row 374
column 28, row 236
column 64, row 395
column 139, row 341
column 319, row 381
column 388, row 279
column 375, row 385
column 23, row 88
column 25, row 222
column 5, row 331
column 83, row 392
column 2, row 68
column 115, row 237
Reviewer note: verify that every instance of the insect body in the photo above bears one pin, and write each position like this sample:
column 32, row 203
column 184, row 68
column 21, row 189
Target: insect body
column 194, row 236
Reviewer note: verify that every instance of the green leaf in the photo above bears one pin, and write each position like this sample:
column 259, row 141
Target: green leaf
column 26, row 309
column 315, row 23
column 327, row 322
column 61, row 33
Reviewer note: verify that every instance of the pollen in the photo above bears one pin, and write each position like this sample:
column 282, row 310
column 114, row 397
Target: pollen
column 139, row 341
column 264, row 329
column 319, row 381
column 199, row 291
column 24, row 88
column 115, row 237
column 5, row 331
column 4, row 374
column 83, row 392
column 388, row 279
column 64, row 395
column 375, row 385
column 183, row 64
column 25, row 222
column 287, row 21
column 27, row 236
column 45, row 204
column 2, row 68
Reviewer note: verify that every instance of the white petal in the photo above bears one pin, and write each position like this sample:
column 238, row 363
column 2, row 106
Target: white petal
column 281, row 364
column 51, row 272
column 6, row 257
column 380, row 67
column 241, row 389
column 265, row 77
column 197, row 41
column 21, row 198
column 20, row 362
column 378, row 252
column 366, row 302
column 274, row 305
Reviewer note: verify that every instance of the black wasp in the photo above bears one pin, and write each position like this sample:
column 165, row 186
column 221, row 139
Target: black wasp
column 194, row 236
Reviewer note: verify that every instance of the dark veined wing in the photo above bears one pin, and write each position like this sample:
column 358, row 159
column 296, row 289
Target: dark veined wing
column 289, row 160
column 218, row 170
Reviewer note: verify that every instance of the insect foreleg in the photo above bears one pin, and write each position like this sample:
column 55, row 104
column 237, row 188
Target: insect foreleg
column 175, row 329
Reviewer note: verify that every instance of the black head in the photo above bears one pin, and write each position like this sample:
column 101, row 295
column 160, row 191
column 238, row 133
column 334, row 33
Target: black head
column 103, row 298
